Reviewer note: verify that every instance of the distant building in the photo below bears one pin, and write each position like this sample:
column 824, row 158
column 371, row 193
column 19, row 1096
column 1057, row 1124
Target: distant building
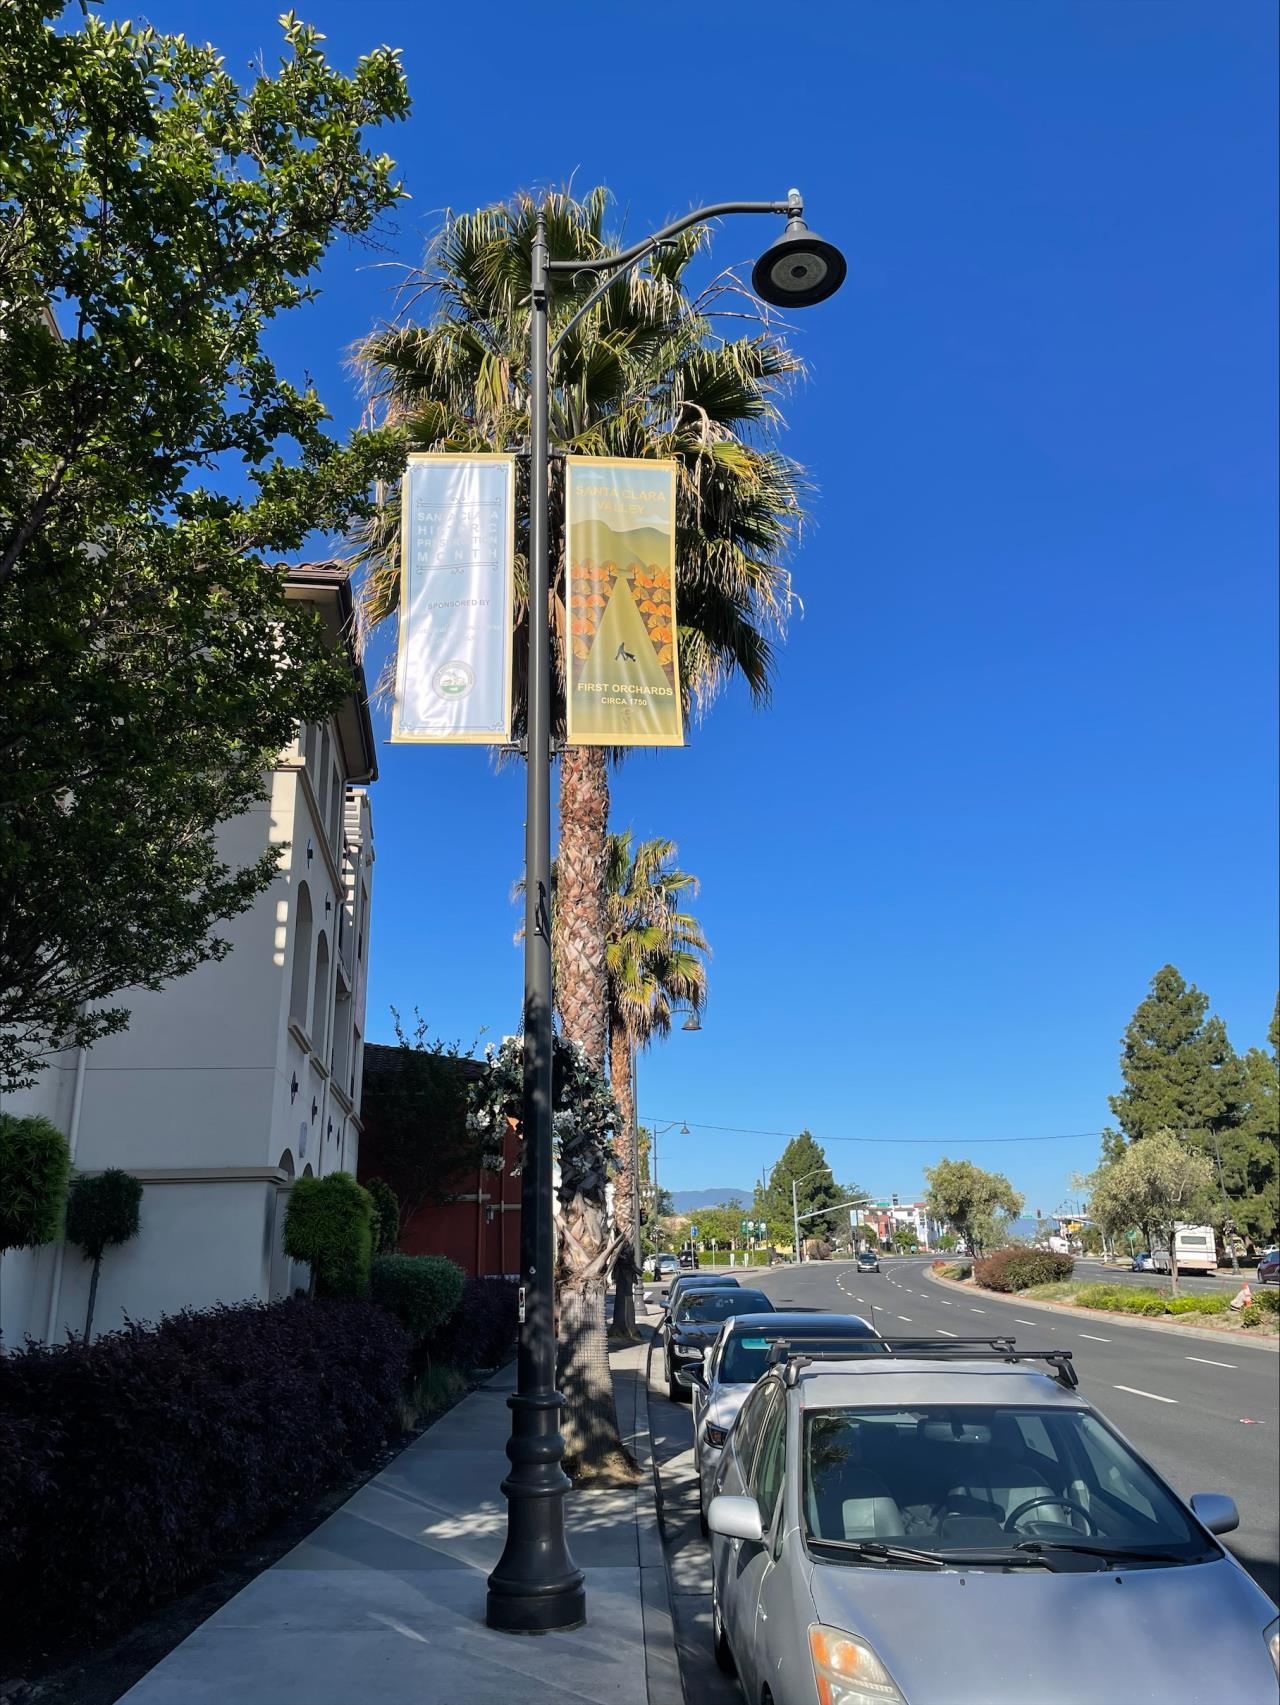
column 892, row 1214
column 233, row 1081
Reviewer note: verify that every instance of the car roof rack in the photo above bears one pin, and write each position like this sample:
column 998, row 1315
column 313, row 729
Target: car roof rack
column 1003, row 1349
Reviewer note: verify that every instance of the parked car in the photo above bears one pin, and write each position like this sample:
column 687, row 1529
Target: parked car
column 660, row 1290
column 689, row 1260
column 692, row 1322
column 857, row 1496
column 703, row 1281
column 664, row 1265
column 1269, row 1268
column 868, row 1261
column 1142, row 1263
column 739, row 1355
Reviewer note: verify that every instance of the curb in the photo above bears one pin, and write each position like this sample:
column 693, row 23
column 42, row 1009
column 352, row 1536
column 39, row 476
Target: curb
column 663, row 1681
column 1203, row 1333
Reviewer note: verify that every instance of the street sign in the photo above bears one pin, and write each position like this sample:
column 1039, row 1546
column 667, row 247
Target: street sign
column 693, row 1231
column 745, row 1228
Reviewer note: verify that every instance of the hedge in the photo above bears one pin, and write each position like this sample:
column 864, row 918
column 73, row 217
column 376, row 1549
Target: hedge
column 422, row 1291
column 1019, row 1269
column 131, row 1466
column 1137, row 1299
column 483, row 1327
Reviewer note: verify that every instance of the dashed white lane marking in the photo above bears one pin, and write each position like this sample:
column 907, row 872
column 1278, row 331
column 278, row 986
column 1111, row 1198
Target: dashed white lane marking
column 947, row 1305
column 1022, row 1322
column 905, row 1317
column 944, row 1332
column 1210, row 1363
column 1095, row 1337
column 1153, row 1395
column 977, row 1311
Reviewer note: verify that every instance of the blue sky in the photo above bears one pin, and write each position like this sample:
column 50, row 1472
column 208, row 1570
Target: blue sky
column 1022, row 749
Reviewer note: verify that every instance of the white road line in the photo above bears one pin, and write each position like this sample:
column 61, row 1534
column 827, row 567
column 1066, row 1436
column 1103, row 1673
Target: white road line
column 1153, row 1395
column 944, row 1332
column 1095, row 1337
column 946, row 1304
column 1022, row 1322
column 1210, row 1363
column 977, row 1311
column 905, row 1317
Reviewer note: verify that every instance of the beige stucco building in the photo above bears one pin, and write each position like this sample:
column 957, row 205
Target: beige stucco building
column 233, row 1081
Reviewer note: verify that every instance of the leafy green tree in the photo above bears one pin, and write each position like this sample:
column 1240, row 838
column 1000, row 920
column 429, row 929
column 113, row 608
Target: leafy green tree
column 155, row 218
column 104, row 1210
column 35, row 1165
column 803, row 1161
column 905, row 1240
column 975, row 1203
column 1159, row 1183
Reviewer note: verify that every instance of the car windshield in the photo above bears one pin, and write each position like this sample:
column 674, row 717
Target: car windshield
column 721, row 1305
column 1010, row 1480
column 747, row 1353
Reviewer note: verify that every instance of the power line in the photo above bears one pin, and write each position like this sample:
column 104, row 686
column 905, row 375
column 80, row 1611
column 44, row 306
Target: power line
column 904, row 1142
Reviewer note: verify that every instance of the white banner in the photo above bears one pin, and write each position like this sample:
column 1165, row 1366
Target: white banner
column 453, row 672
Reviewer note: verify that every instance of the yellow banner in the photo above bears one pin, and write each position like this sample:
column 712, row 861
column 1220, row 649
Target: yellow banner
column 623, row 686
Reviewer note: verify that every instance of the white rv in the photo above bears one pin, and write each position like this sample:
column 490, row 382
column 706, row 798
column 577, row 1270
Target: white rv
column 1195, row 1250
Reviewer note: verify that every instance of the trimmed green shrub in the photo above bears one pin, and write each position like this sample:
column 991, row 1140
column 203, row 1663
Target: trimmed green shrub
column 483, row 1328
column 1267, row 1301
column 1016, row 1269
column 35, row 1165
column 329, row 1224
column 104, row 1209
column 422, row 1291
column 1251, row 1315
column 386, row 1216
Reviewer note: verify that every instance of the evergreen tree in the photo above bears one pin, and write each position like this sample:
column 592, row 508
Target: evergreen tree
column 804, row 1161
column 1164, row 1060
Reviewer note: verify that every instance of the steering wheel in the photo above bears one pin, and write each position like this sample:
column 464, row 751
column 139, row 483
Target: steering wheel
column 1059, row 1502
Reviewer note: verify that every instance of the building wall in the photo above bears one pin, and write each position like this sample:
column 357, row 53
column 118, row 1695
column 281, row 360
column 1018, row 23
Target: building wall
column 228, row 1083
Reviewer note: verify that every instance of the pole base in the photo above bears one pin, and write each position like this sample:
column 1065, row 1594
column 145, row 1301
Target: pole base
column 535, row 1587
column 536, row 1613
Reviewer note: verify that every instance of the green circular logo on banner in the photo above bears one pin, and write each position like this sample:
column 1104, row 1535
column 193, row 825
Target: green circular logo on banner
column 453, row 680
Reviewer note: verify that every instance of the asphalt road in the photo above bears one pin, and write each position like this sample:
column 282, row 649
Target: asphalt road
column 1102, row 1272
column 1182, row 1403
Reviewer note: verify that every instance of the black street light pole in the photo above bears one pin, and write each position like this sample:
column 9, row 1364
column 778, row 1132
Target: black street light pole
column 536, row 1587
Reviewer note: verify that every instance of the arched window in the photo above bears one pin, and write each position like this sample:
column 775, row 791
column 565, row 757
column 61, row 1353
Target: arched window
column 301, row 982
column 285, row 1163
column 320, row 1004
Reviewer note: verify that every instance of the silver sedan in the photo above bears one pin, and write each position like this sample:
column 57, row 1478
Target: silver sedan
column 962, row 1529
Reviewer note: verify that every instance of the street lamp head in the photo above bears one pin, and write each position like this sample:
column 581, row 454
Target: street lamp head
column 799, row 269
column 684, row 1130
column 693, row 1022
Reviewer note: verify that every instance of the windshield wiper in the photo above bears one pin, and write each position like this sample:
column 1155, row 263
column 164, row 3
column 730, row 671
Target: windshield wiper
column 880, row 1553
column 1112, row 1553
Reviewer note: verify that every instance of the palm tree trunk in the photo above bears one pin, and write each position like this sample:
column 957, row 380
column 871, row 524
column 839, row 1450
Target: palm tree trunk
column 593, row 1443
column 581, row 977
column 625, row 1206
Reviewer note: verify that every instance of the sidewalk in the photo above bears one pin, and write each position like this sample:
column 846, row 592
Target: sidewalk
column 384, row 1603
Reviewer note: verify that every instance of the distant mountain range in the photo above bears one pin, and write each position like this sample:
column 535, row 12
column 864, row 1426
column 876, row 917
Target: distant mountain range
column 686, row 1201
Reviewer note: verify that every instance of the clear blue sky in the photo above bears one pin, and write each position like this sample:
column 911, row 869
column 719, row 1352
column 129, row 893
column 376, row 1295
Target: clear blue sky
column 1023, row 746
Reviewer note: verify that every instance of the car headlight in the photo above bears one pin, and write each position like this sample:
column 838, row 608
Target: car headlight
column 715, row 1436
column 847, row 1671
column 687, row 1349
column 1272, row 1637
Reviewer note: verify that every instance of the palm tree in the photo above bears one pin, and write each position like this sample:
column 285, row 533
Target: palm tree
column 644, row 374
column 655, row 956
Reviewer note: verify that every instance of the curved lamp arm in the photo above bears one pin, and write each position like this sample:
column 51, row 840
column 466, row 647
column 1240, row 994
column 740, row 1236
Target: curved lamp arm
column 793, row 207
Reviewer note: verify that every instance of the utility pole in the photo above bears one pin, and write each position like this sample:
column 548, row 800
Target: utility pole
column 795, row 1220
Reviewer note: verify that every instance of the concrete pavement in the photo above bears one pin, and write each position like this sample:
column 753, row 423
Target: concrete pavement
column 384, row 1602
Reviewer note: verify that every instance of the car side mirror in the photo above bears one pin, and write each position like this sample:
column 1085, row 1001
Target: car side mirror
column 691, row 1375
column 1216, row 1511
column 735, row 1517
